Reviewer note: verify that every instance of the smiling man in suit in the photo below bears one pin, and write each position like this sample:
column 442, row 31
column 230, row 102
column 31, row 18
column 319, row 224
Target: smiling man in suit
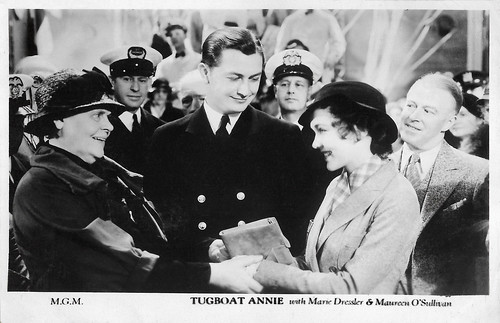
column 131, row 69
column 450, row 188
column 227, row 162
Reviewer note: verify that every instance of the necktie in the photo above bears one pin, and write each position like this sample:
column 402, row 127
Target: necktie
column 412, row 172
column 136, row 127
column 222, row 131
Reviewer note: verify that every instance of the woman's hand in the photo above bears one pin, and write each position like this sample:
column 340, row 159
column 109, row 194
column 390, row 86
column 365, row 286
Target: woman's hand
column 217, row 251
column 232, row 275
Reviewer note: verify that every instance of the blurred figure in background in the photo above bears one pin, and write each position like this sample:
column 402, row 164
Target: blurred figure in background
column 320, row 31
column 192, row 91
column 160, row 104
column 470, row 132
column 472, row 82
column 18, row 277
column 182, row 60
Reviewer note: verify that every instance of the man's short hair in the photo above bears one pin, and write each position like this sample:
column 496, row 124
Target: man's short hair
column 445, row 83
column 229, row 38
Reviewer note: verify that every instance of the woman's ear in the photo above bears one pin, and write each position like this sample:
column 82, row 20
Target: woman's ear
column 359, row 134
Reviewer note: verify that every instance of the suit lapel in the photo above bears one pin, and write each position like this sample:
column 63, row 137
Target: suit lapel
column 445, row 176
column 358, row 201
column 199, row 124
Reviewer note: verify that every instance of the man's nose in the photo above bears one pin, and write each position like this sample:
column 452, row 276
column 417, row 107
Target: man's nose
column 134, row 86
column 244, row 89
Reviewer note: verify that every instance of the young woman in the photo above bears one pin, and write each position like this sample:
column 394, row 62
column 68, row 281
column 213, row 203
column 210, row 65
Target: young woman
column 363, row 233
column 72, row 213
column 470, row 131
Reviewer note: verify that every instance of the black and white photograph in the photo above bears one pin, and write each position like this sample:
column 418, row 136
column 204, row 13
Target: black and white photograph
column 233, row 161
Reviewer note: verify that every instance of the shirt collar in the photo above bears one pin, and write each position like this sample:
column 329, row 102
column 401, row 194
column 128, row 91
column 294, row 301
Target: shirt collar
column 427, row 158
column 128, row 120
column 215, row 116
column 365, row 171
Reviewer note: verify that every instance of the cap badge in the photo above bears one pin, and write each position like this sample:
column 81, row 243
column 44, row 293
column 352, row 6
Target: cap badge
column 292, row 58
column 467, row 77
column 136, row 52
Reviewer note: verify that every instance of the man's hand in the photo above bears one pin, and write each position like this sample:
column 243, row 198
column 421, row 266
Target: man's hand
column 231, row 275
column 217, row 251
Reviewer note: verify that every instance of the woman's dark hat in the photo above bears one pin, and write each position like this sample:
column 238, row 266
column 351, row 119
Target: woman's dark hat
column 365, row 97
column 67, row 93
column 471, row 104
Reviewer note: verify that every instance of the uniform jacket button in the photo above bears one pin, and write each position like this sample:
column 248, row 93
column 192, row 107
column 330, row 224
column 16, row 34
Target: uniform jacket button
column 201, row 198
column 202, row 226
column 240, row 196
column 241, row 223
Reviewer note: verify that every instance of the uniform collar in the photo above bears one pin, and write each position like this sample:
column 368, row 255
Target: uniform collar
column 127, row 118
column 215, row 116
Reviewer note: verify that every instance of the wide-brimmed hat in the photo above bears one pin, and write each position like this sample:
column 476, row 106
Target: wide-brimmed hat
column 67, row 93
column 364, row 96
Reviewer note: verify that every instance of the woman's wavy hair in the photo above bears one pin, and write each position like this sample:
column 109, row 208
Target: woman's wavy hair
column 351, row 115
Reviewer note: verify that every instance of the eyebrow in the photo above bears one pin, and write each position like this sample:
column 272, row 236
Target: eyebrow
column 241, row 75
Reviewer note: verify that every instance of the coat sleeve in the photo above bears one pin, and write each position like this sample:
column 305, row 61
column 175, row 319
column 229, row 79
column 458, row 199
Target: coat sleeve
column 146, row 271
column 384, row 250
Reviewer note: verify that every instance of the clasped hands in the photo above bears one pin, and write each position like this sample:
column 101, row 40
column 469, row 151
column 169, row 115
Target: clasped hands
column 233, row 275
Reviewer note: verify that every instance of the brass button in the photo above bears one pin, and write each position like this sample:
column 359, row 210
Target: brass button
column 201, row 198
column 240, row 196
column 241, row 223
column 202, row 226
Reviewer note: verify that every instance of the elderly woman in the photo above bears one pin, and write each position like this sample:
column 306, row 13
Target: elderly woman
column 362, row 235
column 71, row 210
column 470, row 131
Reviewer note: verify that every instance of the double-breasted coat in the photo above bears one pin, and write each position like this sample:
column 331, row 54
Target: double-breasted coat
column 452, row 199
column 202, row 184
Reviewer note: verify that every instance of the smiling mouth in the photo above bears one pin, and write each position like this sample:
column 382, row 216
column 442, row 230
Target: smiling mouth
column 239, row 99
column 101, row 139
column 327, row 154
column 412, row 127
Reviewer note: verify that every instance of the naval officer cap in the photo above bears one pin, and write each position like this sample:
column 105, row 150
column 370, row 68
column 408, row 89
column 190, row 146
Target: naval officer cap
column 132, row 60
column 294, row 62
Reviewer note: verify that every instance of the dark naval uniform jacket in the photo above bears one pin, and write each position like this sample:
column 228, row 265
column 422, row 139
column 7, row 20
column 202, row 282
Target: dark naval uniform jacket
column 203, row 184
column 130, row 150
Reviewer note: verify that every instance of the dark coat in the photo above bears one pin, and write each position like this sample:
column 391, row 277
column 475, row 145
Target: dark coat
column 170, row 113
column 128, row 150
column 76, row 236
column 452, row 199
column 203, row 184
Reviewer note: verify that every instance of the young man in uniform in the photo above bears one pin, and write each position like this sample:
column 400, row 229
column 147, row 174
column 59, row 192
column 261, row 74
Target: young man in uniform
column 293, row 72
column 227, row 163
column 131, row 69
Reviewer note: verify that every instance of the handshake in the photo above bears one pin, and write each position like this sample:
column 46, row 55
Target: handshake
column 236, row 258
